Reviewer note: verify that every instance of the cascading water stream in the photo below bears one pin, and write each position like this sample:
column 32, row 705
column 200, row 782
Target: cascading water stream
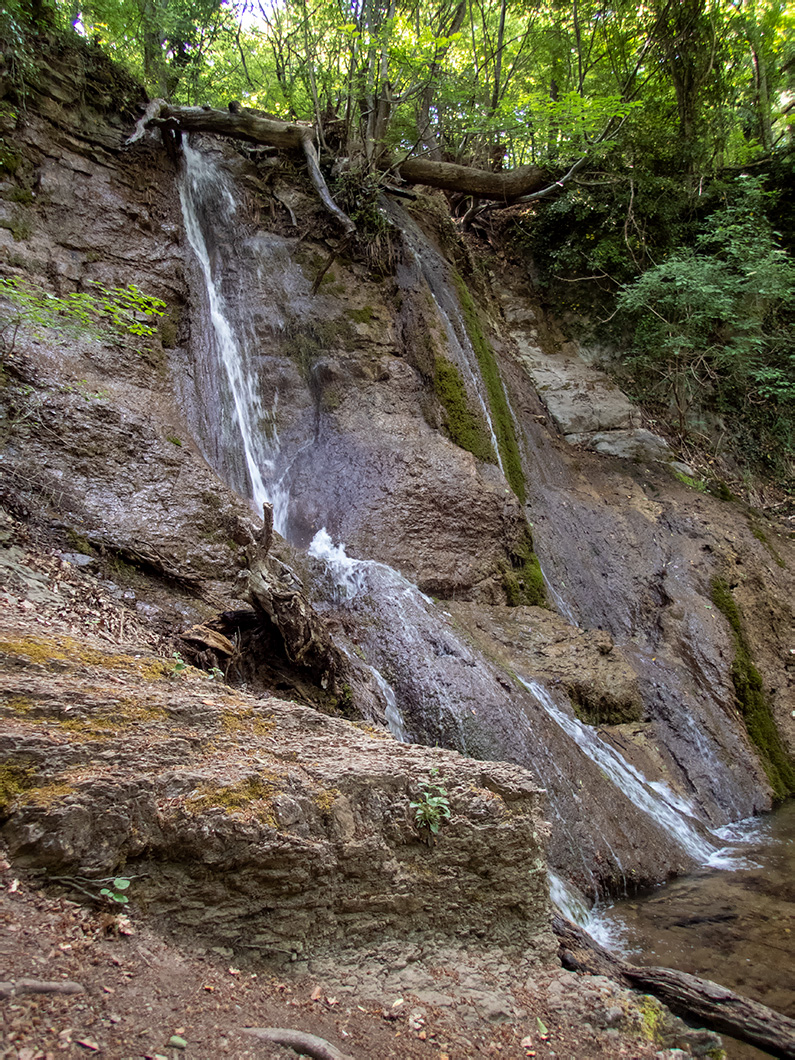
column 672, row 813
column 435, row 687
column 197, row 179
column 466, row 356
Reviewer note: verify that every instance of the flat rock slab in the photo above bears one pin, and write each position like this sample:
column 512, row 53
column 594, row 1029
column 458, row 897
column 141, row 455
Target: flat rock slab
column 579, row 397
column 635, row 444
column 256, row 823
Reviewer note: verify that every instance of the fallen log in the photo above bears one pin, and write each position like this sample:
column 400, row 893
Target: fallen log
column 697, row 1000
column 504, row 186
column 243, row 125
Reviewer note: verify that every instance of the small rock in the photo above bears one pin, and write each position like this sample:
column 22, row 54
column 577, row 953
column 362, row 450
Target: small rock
column 176, row 1042
column 77, row 559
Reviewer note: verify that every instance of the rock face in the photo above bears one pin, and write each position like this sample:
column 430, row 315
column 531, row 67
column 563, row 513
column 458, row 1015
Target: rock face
column 586, row 406
column 596, row 675
column 394, row 409
column 259, row 824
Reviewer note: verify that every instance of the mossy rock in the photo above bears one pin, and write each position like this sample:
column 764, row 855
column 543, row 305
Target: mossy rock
column 498, row 402
column 464, row 427
column 251, row 798
column 593, row 708
column 752, row 700
column 523, row 580
column 16, row 777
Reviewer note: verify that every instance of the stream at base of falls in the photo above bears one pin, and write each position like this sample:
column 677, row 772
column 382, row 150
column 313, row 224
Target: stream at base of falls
column 735, row 927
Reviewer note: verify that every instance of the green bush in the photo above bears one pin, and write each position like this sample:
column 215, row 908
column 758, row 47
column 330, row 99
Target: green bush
column 713, row 324
column 433, row 806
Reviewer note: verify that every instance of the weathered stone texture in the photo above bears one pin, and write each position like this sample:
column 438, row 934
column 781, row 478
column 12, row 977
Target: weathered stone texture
column 257, row 823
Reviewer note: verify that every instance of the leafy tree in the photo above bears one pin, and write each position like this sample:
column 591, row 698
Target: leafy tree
column 713, row 324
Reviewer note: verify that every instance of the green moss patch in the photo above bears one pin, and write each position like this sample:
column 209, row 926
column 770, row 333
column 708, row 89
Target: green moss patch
column 464, row 426
column 498, row 402
column 251, row 797
column 753, row 703
column 15, row 779
column 523, row 581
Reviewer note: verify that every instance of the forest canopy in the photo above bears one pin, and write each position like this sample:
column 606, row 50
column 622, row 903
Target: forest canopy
column 700, row 84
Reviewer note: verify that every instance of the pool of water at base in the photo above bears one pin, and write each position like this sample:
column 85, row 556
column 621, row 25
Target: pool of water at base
column 735, row 927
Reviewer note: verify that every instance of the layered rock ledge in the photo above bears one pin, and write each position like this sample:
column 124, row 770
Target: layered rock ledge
column 261, row 824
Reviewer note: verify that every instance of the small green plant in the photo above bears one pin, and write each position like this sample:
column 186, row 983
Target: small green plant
column 179, row 664
column 694, row 483
column 216, row 674
column 119, row 310
column 433, row 805
column 115, row 893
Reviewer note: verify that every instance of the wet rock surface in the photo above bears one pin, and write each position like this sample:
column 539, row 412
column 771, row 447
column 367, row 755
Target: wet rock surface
column 596, row 675
column 120, row 454
column 104, row 748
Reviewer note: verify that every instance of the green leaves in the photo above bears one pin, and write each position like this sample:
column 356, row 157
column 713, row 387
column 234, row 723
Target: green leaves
column 116, row 892
column 433, row 805
column 102, row 311
column 713, row 324
column 179, row 664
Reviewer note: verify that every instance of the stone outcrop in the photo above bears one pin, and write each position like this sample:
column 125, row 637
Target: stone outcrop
column 596, row 675
column 259, row 824
column 586, row 406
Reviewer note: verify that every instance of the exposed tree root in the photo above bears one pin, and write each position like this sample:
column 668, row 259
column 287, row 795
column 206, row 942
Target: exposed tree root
column 307, row 1044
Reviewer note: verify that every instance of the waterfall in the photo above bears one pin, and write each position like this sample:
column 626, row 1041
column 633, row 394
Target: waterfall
column 672, row 813
column 609, row 822
column 199, row 183
column 609, row 933
column 458, row 341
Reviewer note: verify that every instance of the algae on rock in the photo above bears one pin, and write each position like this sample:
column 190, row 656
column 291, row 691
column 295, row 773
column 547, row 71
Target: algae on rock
column 752, row 700
column 500, row 410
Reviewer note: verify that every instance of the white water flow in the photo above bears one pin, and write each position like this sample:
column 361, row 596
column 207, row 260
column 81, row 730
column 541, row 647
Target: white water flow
column 407, row 613
column 568, row 900
column 199, row 176
column 670, row 811
column 394, row 718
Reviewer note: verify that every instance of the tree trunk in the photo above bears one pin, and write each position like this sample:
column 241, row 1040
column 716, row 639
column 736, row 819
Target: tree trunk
column 428, row 138
column 698, row 1000
column 503, row 187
